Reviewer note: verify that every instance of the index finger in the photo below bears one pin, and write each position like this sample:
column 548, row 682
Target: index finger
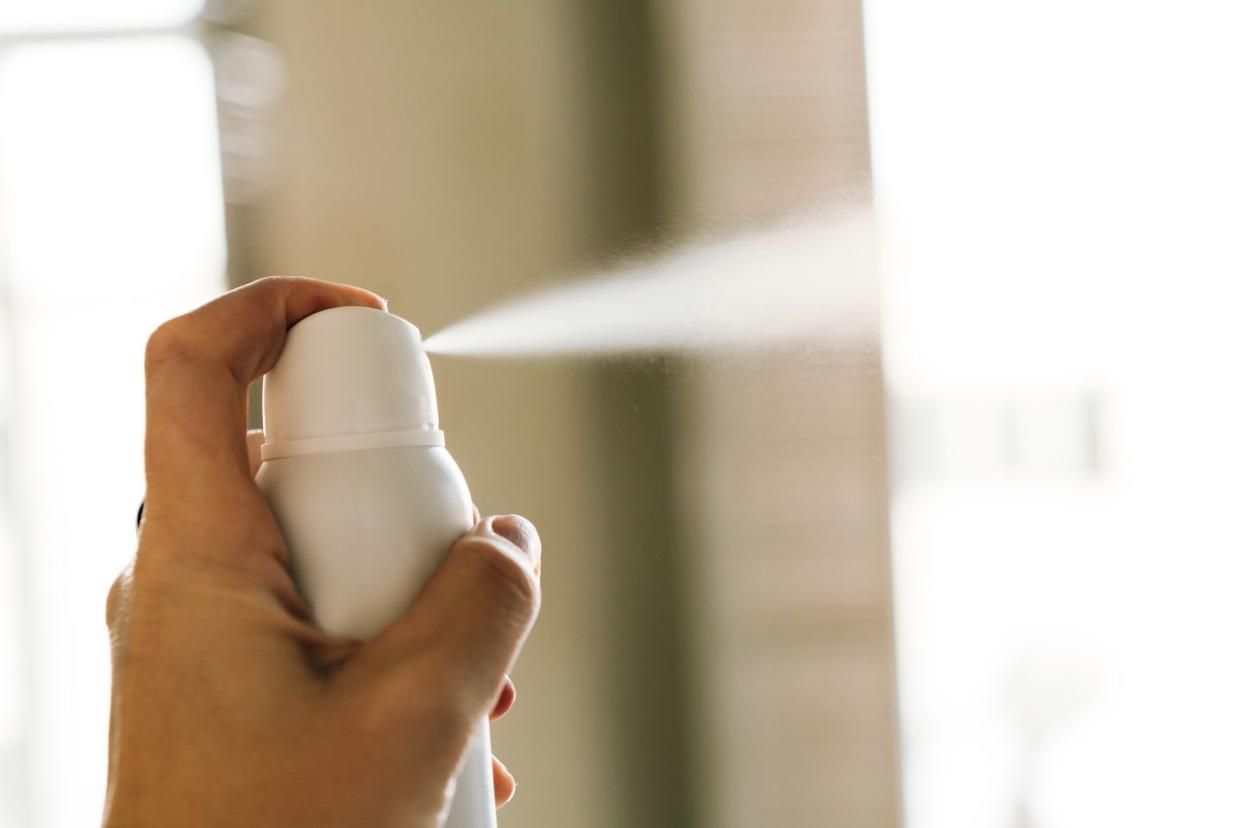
column 199, row 367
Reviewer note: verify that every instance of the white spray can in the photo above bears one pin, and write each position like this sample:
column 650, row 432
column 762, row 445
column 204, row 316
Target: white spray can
column 368, row 498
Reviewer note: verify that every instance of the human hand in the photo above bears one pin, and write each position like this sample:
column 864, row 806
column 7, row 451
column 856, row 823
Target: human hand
column 229, row 707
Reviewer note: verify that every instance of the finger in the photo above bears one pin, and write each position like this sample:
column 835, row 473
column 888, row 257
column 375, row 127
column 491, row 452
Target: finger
column 503, row 783
column 504, row 703
column 254, row 449
column 521, row 533
column 198, row 369
column 452, row 648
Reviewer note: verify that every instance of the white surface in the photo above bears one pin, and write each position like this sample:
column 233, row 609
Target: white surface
column 1057, row 189
column 349, row 371
column 58, row 16
column 367, row 527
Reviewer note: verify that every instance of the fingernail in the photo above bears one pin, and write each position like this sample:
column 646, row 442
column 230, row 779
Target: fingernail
column 521, row 533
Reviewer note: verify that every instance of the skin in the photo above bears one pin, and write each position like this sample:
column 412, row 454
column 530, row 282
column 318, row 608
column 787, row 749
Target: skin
column 229, row 707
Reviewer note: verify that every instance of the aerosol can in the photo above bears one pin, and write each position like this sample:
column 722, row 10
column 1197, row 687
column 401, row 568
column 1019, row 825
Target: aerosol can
column 367, row 496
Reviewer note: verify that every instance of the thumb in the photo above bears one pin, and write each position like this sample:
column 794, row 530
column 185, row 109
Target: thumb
column 446, row 658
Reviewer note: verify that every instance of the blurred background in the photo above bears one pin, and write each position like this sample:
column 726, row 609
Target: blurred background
column 979, row 567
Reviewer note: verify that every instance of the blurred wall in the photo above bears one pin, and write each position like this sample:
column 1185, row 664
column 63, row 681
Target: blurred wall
column 781, row 466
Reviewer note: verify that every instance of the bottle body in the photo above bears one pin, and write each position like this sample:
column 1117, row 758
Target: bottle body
column 365, row 529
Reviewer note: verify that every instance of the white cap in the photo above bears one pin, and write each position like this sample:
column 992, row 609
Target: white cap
column 349, row 378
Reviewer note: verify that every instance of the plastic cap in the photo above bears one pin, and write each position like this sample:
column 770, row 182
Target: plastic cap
column 349, row 378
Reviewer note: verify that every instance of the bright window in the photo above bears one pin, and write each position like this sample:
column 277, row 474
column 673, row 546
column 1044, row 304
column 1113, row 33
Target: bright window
column 111, row 220
column 61, row 16
column 1059, row 183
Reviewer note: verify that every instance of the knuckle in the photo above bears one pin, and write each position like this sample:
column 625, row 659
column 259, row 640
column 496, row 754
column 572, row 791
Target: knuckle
column 508, row 576
column 269, row 293
column 118, row 595
column 168, row 343
column 267, row 289
column 274, row 282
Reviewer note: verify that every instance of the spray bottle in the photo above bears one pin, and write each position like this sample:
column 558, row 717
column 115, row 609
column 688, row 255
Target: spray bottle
column 368, row 498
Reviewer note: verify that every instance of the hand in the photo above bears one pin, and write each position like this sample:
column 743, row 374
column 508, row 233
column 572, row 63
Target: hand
column 229, row 707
